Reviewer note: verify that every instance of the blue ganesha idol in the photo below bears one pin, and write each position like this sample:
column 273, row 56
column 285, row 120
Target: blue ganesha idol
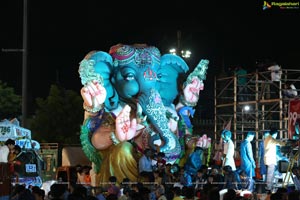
column 129, row 98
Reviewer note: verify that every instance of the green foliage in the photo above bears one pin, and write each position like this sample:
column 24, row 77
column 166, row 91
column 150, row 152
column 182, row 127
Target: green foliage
column 10, row 103
column 58, row 117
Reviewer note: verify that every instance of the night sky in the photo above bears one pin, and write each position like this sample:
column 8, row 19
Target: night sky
column 61, row 33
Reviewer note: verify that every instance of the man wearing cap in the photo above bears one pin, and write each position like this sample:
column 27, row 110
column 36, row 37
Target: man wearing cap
column 270, row 145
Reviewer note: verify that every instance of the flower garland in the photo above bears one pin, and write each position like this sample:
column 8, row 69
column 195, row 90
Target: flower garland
column 87, row 129
column 208, row 155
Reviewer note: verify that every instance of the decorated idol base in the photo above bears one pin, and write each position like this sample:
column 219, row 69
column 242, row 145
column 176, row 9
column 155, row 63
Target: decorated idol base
column 28, row 181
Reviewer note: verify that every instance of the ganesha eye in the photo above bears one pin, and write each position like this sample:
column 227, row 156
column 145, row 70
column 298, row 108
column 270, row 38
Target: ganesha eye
column 129, row 77
column 159, row 75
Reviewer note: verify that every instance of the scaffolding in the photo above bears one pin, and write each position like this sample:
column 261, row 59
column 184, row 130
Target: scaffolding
column 264, row 97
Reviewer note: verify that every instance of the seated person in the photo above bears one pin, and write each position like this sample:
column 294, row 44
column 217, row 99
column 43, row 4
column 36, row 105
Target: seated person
column 289, row 91
column 230, row 180
column 247, row 183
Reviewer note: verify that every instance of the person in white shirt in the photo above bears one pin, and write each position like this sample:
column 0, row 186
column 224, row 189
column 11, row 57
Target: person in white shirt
column 261, row 154
column 270, row 147
column 145, row 165
column 275, row 72
column 275, row 78
column 229, row 151
column 289, row 91
column 5, row 150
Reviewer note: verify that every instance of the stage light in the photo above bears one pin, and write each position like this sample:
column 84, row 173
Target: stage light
column 173, row 51
column 184, row 54
column 246, row 108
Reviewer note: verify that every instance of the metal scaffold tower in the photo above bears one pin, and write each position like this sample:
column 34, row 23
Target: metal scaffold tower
column 256, row 106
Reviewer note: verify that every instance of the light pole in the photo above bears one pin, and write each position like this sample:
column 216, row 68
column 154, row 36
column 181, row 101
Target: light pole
column 242, row 123
column 178, row 50
column 24, row 66
column 24, row 63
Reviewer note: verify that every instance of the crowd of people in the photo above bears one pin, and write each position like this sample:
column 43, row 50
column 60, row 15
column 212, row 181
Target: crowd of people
column 160, row 180
column 209, row 181
column 197, row 179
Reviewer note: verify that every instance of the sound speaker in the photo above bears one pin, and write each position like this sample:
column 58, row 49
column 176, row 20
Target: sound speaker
column 283, row 166
column 260, row 187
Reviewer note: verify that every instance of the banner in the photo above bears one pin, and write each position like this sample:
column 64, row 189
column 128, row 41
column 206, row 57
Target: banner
column 294, row 116
column 9, row 130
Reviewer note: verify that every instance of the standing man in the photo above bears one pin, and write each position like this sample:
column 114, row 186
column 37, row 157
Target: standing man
column 276, row 73
column 229, row 151
column 261, row 155
column 247, row 160
column 145, row 165
column 270, row 145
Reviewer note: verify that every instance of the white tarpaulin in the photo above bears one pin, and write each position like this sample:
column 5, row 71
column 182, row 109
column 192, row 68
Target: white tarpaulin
column 72, row 156
column 11, row 130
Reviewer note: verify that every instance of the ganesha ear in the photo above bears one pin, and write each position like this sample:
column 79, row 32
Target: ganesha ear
column 174, row 61
column 91, row 65
column 101, row 56
column 102, row 61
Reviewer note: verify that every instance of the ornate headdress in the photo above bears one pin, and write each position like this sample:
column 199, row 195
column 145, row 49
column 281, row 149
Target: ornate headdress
column 141, row 54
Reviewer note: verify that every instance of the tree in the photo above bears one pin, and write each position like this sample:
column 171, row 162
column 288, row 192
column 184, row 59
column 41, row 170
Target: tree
column 58, row 117
column 10, row 103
